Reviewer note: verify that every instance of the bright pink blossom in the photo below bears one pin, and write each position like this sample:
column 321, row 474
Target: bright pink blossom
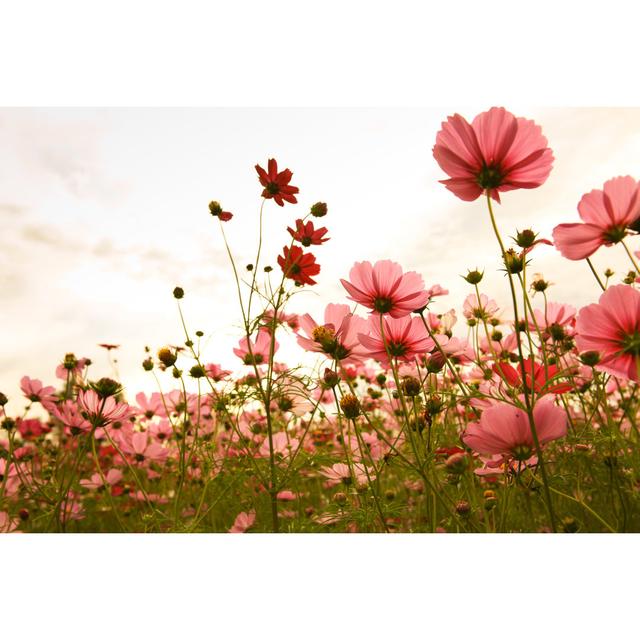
column 337, row 337
column 496, row 152
column 399, row 338
column 606, row 215
column 612, row 328
column 506, row 430
column 384, row 288
column 257, row 352
column 36, row 392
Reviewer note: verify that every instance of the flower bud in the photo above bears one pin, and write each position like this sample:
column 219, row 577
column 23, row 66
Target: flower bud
column 319, row 210
column 513, row 262
column 106, row 387
column 590, row 358
column 70, row 362
column 350, row 406
column 340, row 498
column 178, row 293
column 411, row 386
column 457, row 463
column 8, row 424
column 463, row 508
column 3, row 399
column 474, row 277
column 167, row 357
column 147, row 364
column 197, row 371
column 330, row 378
column 525, row 238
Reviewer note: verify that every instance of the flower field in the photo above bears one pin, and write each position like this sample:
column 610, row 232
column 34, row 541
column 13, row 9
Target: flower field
column 420, row 414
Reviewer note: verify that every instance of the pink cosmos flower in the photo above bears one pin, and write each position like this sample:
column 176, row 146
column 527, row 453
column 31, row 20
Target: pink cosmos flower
column 102, row 411
column 485, row 308
column 32, row 428
column 505, row 429
column 612, row 328
column 606, row 215
column 401, row 338
column 36, row 392
column 337, row 337
column 383, row 288
column 151, row 406
column 69, row 414
column 340, row 472
column 283, row 446
column 216, row 372
column 113, row 476
column 259, row 353
column 556, row 322
column 243, row 522
column 496, row 152
column 142, row 450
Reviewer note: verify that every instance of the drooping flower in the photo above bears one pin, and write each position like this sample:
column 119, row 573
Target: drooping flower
column 555, row 322
column 496, row 152
column 113, row 476
column 276, row 183
column 340, row 472
column 257, row 352
column 399, row 338
column 384, row 288
column 606, row 215
column 612, row 328
column 298, row 266
column 306, row 234
column 505, row 429
column 337, row 337
column 216, row 372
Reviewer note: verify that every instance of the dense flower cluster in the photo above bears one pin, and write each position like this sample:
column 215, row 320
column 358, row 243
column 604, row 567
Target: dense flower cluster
column 516, row 418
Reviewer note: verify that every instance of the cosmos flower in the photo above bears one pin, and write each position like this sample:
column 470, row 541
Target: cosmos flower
column 400, row 338
column 337, row 337
column 606, row 215
column 258, row 353
column 306, row 234
column 384, row 288
column 496, row 152
column 612, row 328
column 298, row 266
column 505, row 429
column 276, row 183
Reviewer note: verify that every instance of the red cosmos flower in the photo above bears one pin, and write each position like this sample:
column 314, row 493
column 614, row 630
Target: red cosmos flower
column 306, row 235
column 276, row 184
column 298, row 266
column 534, row 373
column 496, row 152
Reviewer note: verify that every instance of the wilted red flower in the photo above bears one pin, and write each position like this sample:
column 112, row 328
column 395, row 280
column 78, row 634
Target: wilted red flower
column 276, row 183
column 298, row 266
column 306, row 234
column 496, row 152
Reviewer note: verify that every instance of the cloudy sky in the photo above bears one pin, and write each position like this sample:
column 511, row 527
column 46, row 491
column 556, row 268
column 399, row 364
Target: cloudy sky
column 104, row 211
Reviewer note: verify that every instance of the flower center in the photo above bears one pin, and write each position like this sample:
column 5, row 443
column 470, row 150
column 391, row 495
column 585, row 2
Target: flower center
column 396, row 349
column 273, row 188
column 489, row 177
column 615, row 234
column 521, row 452
column 383, row 305
column 631, row 343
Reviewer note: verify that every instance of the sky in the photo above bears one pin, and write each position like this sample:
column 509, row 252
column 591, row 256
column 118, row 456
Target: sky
column 104, row 211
